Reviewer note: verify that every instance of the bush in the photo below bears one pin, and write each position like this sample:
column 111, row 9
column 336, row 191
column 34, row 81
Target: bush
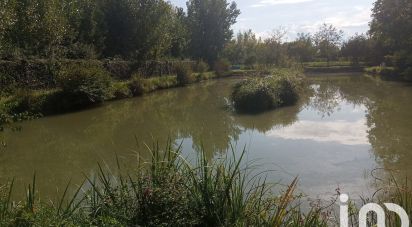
column 386, row 73
column 138, row 85
column 184, row 74
column 221, row 67
column 81, row 51
column 259, row 94
column 201, row 67
column 121, row 90
column 119, row 69
column 85, row 85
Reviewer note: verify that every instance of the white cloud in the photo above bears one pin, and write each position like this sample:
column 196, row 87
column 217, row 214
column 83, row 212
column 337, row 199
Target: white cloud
column 356, row 17
column 343, row 132
column 263, row 3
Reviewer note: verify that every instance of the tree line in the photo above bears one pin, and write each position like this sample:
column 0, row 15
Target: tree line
column 128, row 29
column 387, row 43
column 155, row 29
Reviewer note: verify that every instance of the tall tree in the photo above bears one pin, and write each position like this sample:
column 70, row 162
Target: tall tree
column 6, row 20
column 210, row 24
column 273, row 51
column 302, row 49
column 38, row 28
column 356, row 48
column 139, row 29
column 242, row 49
column 328, row 40
column 86, row 22
column 391, row 27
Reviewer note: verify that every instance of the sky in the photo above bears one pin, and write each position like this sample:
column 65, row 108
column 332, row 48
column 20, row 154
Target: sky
column 263, row 16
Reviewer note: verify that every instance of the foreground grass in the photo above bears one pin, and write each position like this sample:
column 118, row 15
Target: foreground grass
column 166, row 191
column 170, row 191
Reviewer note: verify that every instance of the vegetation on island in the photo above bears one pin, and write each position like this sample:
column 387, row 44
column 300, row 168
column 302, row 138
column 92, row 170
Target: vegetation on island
column 280, row 88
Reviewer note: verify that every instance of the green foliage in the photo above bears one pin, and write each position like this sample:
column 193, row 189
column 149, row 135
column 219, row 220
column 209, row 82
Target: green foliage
column 84, row 29
column 121, row 90
column 302, row 49
column 33, row 29
column 201, row 67
column 166, row 191
column 243, row 49
column 118, row 69
column 391, row 28
column 255, row 95
column 139, row 29
column 328, row 40
column 356, row 49
column 385, row 72
column 138, row 85
column 221, row 67
column 85, row 84
column 184, row 75
column 209, row 22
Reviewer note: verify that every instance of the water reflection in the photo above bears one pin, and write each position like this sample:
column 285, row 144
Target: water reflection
column 343, row 132
column 347, row 126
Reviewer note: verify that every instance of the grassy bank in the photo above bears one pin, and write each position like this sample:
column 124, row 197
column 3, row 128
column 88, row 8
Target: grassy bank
column 332, row 67
column 44, row 88
column 258, row 94
column 166, row 191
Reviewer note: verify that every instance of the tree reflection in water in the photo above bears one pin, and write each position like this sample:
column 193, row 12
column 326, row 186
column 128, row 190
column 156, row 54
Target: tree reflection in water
column 62, row 147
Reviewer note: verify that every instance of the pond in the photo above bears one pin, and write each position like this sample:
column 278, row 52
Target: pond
column 335, row 137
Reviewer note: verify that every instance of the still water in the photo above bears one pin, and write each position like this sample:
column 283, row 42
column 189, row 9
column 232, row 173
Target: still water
column 333, row 138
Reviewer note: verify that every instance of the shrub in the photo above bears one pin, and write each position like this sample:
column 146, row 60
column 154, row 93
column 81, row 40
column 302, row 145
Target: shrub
column 23, row 105
column 184, row 74
column 201, row 67
column 85, row 85
column 81, row 51
column 121, row 90
column 221, row 67
column 119, row 69
column 259, row 94
column 138, row 85
column 163, row 82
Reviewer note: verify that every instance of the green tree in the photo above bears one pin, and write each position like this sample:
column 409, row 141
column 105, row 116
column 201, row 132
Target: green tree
column 6, row 20
column 210, row 24
column 391, row 27
column 180, row 34
column 38, row 28
column 86, row 32
column 273, row 51
column 302, row 49
column 242, row 49
column 356, row 48
column 139, row 29
column 328, row 40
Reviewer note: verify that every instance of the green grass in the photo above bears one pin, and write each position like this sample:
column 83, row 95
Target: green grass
column 380, row 70
column 331, row 64
column 166, row 191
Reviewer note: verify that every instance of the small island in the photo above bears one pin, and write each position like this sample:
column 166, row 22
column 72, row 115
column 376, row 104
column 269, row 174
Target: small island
column 258, row 94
